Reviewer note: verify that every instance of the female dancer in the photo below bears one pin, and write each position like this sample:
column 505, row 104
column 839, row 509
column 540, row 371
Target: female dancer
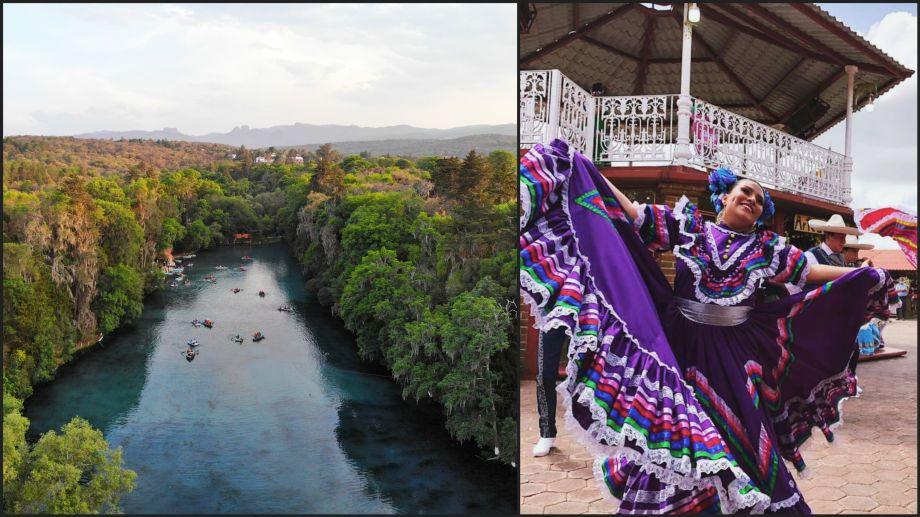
column 690, row 397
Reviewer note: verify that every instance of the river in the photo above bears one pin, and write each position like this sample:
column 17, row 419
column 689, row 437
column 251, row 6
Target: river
column 296, row 423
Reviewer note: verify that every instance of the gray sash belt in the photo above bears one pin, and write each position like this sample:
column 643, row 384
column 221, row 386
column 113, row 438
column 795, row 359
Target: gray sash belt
column 712, row 314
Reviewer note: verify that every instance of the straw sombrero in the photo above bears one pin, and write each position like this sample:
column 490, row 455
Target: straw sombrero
column 853, row 242
column 833, row 225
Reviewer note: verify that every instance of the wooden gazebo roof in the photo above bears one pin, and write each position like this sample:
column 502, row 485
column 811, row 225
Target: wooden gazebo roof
column 773, row 63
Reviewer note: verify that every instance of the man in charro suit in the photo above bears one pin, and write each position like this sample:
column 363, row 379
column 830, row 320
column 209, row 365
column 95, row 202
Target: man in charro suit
column 830, row 252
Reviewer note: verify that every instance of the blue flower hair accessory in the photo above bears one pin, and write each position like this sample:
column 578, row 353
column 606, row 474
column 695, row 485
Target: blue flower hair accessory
column 722, row 180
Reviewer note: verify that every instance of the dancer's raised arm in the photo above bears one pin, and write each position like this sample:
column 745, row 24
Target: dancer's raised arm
column 820, row 273
column 624, row 201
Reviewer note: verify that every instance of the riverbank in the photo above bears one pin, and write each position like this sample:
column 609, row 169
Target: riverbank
column 296, row 423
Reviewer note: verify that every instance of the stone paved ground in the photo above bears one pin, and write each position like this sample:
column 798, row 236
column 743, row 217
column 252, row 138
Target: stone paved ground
column 870, row 468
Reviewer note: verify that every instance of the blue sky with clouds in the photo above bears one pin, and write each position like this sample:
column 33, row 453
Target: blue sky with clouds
column 205, row 67
column 885, row 140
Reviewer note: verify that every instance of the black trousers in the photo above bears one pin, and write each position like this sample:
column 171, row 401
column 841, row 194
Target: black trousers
column 549, row 352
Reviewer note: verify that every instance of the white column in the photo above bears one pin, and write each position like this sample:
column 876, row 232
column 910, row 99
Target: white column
column 848, row 145
column 555, row 105
column 851, row 73
column 682, row 150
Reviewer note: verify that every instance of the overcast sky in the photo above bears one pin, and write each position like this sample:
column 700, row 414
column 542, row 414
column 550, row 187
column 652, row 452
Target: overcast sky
column 200, row 68
column 884, row 141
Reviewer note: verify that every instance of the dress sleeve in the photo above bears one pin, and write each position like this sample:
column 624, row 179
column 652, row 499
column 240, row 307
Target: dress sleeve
column 661, row 228
column 793, row 265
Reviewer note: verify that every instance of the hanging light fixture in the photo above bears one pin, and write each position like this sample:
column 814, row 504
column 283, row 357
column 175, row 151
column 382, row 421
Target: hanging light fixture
column 693, row 16
column 867, row 90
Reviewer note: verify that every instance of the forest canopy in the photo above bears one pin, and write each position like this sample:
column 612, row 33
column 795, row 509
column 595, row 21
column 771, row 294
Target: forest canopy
column 415, row 255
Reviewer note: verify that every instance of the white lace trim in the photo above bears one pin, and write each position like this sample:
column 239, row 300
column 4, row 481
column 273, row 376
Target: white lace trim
column 752, row 279
column 640, row 215
column 881, row 280
column 526, row 202
column 528, row 283
column 788, row 502
column 784, row 415
column 717, row 257
column 677, row 473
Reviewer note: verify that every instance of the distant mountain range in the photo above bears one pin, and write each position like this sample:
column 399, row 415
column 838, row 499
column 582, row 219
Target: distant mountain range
column 306, row 134
column 417, row 147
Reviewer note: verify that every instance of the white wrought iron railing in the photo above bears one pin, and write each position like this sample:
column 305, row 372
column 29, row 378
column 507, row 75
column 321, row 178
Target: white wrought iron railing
column 642, row 129
column 553, row 106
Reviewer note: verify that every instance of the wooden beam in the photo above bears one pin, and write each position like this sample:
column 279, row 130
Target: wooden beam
column 849, row 38
column 574, row 16
column 783, row 77
column 608, row 48
column 763, row 12
column 576, row 34
column 769, row 36
column 737, row 106
column 676, row 60
column 731, row 75
column 815, row 93
column 710, row 12
column 649, row 33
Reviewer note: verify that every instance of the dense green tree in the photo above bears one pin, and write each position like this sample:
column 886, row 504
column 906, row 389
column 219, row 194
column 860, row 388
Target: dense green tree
column 71, row 472
column 379, row 297
column 38, row 328
column 171, row 232
column 120, row 298
column 502, row 184
column 326, row 158
column 475, row 332
column 197, row 236
column 120, row 236
column 106, row 189
column 245, row 157
column 20, row 215
column 445, row 175
column 15, row 448
column 355, row 163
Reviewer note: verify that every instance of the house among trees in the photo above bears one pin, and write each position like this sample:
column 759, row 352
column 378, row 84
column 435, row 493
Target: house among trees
column 261, row 159
column 298, row 160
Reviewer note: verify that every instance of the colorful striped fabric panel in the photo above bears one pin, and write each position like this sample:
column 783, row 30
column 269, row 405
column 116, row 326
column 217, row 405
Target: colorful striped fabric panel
column 761, row 459
column 538, row 182
column 900, row 225
column 794, row 272
column 657, row 227
column 617, row 474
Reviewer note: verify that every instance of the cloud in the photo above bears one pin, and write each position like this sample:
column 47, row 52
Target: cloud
column 206, row 68
column 885, row 141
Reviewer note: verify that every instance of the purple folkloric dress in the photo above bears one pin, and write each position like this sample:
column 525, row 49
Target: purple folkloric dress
column 690, row 397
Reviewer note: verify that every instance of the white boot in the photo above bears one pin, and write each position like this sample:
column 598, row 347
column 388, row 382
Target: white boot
column 543, row 446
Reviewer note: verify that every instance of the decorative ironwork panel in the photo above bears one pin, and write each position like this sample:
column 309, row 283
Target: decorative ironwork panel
column 535, row 106
column 643, row 128
column 720, row 138
column 576, row 118
column 637, row 128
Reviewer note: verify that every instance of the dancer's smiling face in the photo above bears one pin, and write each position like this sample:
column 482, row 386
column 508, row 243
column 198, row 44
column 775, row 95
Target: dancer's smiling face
column 742, row 205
